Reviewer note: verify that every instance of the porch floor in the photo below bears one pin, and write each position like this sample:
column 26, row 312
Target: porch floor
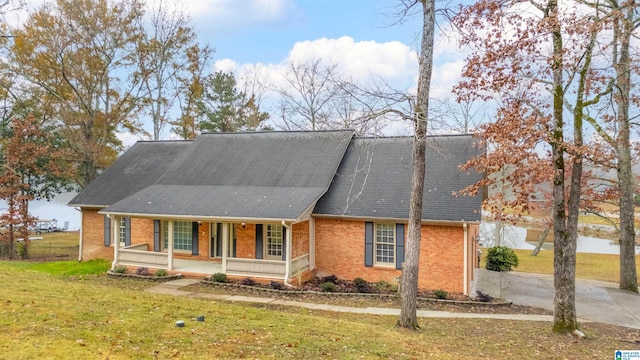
column 197, row 266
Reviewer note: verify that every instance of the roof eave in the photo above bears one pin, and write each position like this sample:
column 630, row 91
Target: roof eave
column 423, row 221
column 196, row 217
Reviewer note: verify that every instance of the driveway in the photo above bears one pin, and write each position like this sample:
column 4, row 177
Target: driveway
column 595, row 300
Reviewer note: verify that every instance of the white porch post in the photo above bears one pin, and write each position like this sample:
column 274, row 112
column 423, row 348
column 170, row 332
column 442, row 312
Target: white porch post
column 115, row 235
column 225, row 246
column 170, row 244
column 288, row 252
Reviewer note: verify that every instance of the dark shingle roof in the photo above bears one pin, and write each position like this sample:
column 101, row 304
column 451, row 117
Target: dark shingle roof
column 269, row 175
column 374, row 180
column 280, row 175
column 139, row 167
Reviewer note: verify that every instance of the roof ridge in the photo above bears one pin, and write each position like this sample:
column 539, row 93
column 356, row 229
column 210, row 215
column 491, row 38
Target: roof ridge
column 279, row 132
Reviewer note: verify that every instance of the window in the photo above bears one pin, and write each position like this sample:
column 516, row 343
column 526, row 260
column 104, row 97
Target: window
column 123, row 230
column 384, row 244
column 181, row 235
column 274, row 241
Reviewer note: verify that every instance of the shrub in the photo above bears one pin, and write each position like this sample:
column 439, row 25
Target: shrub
column 219, row 277
column 22, row 249
column 120, row 269
column 501, row 258
column 328, row 286
column 382, row 286
column 161, row 272
column 276, row 285
column 441, row 294
column 248, row 282
column 361, row 285
column 144, row 271
column 359, row 281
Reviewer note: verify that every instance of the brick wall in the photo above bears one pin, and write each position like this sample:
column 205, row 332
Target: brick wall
column 142, row 232
column 300, row 239
column 340, row 252
column 246, row 241
column 93, row 236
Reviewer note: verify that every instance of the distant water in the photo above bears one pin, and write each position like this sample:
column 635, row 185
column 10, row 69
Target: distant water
column 54, row 209
column 515, row 238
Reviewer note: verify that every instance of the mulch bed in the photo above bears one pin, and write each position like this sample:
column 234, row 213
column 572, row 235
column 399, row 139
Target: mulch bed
column 347, row 293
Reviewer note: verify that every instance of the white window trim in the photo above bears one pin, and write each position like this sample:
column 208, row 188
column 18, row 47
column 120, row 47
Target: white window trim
column 122, row 231
column 391, row 264
column 162, row 235
column 266, row 238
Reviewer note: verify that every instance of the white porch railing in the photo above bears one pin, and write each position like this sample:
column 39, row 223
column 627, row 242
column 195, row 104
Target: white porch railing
column 137, row 255
column 256, row 267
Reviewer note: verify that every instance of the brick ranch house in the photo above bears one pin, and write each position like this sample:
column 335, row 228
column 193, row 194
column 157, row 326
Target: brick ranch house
column 283, row 206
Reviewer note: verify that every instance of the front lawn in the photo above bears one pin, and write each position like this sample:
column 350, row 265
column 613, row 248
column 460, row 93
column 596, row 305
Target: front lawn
column 96, row 317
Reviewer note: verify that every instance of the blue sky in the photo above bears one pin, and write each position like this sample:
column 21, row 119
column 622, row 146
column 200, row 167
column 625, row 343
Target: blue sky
column 250, row 31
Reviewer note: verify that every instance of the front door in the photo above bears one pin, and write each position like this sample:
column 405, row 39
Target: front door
column 215, row 245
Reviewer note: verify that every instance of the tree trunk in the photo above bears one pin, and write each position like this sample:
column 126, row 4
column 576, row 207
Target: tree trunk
column 628, row 275
column 564, row 314
column 410, row 268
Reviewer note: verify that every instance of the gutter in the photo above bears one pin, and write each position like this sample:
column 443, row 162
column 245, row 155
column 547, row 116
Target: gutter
column 287, row 266
column 80, row 243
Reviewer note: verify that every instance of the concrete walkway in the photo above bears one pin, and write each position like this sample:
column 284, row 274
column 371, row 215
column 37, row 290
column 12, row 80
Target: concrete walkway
column 173, row 288
column 595, row 300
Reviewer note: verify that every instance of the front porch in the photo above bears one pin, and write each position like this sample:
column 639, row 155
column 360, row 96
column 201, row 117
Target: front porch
column 138, row 256
column 226, row 248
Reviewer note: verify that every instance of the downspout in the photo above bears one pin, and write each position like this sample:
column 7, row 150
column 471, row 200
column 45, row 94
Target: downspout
column 466, row 259
column 287, row 266
column 80, row 243
column 115, row 235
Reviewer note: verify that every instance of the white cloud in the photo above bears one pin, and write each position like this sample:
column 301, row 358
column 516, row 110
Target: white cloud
column 360, row 60
column 226, row 65
column 392, row 61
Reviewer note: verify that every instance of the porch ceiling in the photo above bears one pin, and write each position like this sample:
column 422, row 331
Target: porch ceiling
column 260, row 202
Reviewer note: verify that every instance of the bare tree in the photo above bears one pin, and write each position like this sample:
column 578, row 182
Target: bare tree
column 410, row 268
column 462, row 116
column 306, row 99
column 162, row 59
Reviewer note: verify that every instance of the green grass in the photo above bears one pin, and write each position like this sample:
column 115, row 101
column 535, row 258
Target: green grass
column 45, row 316
column 70, row 268
column 604, row 267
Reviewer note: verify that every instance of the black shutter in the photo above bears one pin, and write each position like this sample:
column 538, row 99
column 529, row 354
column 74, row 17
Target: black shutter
column 259, row 241
column 234, row 247
column 284, row 243
column 107, row 231
column 399, row 246
column 156, row 235
column 194, row 238
column 219, row 240
column 127, row 231
column 368, row 244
